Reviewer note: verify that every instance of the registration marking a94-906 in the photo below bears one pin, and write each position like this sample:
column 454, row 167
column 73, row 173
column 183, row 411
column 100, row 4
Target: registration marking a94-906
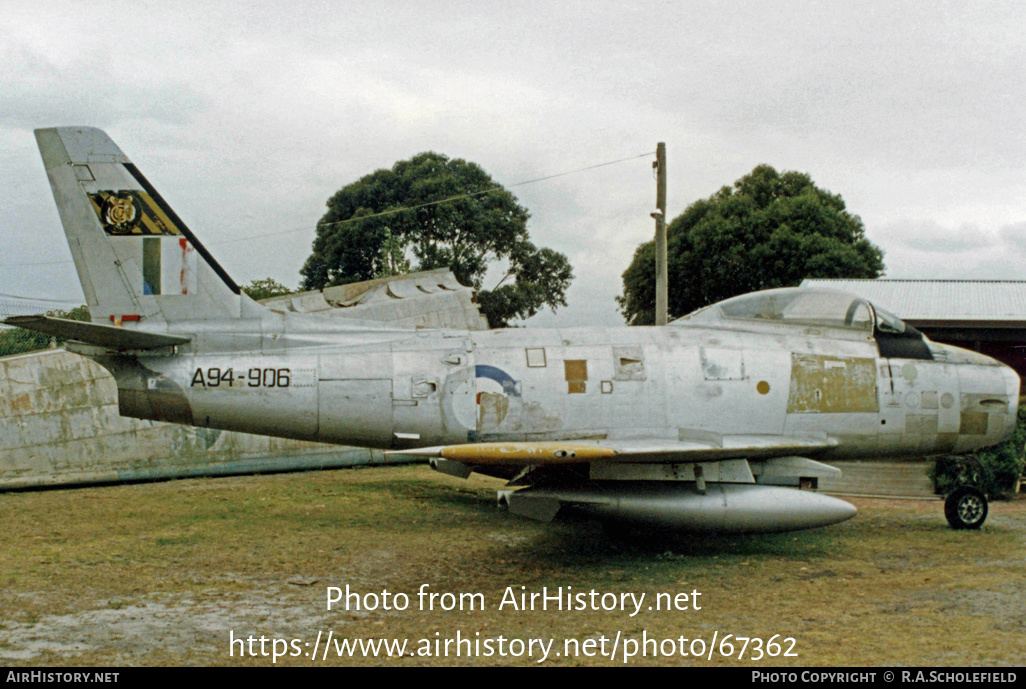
column 215, row 377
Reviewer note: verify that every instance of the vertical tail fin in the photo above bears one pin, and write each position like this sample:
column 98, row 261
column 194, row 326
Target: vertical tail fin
column 135, row 257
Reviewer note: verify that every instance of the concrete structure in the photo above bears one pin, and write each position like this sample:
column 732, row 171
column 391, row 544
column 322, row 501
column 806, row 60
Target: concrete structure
column 59, row 425
column 988, row 316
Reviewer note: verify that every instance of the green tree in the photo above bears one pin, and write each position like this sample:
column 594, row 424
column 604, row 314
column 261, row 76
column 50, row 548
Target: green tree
column 453, row 216
column 265, row 289
column 769, row 230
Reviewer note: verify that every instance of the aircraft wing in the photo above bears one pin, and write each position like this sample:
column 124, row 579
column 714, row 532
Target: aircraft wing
column 100, row 335
column 719, row 466
column 711, row 449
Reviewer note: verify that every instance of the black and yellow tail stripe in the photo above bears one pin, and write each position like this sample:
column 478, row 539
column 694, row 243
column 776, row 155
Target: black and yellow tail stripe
column 181, row 227
column 151, row 220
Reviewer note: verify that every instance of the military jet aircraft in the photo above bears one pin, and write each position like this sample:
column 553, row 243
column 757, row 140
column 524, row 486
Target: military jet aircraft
column 715, row 422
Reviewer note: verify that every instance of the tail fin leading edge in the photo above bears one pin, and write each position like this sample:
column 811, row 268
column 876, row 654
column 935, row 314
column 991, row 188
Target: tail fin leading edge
column 135, row 257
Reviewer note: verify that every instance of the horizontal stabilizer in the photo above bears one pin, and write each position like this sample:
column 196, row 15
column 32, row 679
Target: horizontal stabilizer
column 95, row 334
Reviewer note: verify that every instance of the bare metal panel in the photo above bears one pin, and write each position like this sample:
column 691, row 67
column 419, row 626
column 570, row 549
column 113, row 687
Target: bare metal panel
column 830, row 385
column 356, row 409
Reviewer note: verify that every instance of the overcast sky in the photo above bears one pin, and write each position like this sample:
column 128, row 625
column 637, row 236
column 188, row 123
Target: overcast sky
column 248, row 116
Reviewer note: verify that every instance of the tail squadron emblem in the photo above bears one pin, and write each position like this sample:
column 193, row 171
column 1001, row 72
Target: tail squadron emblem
column 133, row 213
column 119, row 213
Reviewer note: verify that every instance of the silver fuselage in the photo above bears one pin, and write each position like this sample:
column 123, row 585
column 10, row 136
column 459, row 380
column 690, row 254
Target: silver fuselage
column 406, row 389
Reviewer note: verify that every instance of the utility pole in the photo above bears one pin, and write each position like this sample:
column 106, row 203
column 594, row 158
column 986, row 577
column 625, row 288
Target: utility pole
column 661, row 305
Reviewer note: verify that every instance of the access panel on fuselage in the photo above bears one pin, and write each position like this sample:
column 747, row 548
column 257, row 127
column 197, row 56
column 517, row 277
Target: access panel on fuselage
column 354, row 395
column 357, row 412
column 725, row 390
column 919, row 406
column 433, row 392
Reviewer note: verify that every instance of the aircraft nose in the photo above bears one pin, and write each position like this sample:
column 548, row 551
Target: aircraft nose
column 990, row 395
column 1012, row 386
column 1010, row 391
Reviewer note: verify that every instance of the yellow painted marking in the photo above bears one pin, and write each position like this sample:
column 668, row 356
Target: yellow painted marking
column 828, row 384
column 151, row 227
column 526, row 453
column 168, row 226
column 152, row 221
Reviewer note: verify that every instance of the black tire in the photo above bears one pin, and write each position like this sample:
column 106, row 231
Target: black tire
column 966, row 508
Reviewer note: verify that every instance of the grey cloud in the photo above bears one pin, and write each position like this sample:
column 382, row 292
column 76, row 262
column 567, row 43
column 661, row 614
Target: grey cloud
column 35, row 92
column 1014, row 234
column 928, row 235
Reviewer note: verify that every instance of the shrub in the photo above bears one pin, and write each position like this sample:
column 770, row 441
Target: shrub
column 994, row 470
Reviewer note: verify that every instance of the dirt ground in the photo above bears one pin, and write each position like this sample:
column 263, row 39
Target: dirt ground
column 239, row 571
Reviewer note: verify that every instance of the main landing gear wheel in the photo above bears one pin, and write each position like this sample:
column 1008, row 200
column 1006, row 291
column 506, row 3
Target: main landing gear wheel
column 966, row 508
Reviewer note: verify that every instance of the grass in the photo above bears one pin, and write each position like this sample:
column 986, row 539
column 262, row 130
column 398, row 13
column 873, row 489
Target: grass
column 157, row 574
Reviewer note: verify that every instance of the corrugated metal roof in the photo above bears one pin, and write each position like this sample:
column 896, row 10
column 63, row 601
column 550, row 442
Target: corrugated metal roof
column 939, row 300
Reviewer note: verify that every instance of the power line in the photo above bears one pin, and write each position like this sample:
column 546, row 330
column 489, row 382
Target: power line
column 39, row 299
column 393, row 211
column 38, row 263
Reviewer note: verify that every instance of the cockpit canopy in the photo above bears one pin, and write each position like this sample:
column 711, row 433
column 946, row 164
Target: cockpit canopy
column 797, row 306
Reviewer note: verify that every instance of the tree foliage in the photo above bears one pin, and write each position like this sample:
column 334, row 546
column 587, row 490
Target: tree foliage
column 365, row 235
column 265, row 289
column 994, row 470
column 769, row 230
column 20, row 340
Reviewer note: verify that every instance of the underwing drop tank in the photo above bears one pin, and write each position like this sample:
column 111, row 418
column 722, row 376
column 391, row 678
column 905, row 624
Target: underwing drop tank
column 724, row 508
